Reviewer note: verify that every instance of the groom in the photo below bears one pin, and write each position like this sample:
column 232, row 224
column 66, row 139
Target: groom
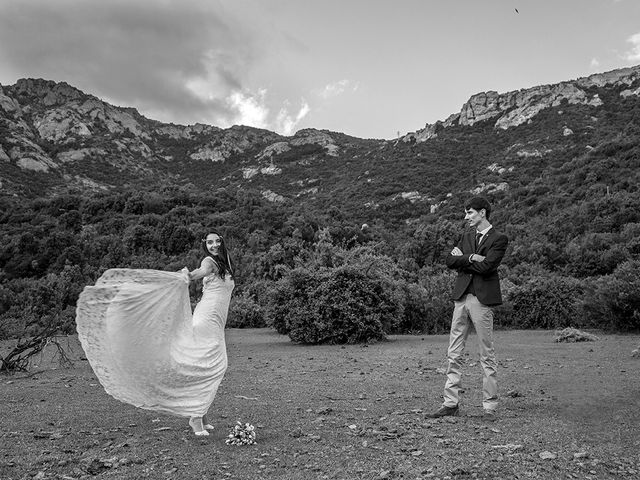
column 476, row 258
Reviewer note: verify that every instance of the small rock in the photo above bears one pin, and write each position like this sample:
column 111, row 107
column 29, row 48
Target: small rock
column 296, row 433
column 509, row 446
column 460, row 471
column 546, row 455
column 579, row 455
column 97, row 466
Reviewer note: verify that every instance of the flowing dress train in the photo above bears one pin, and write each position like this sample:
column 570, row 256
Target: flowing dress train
column 144, row 344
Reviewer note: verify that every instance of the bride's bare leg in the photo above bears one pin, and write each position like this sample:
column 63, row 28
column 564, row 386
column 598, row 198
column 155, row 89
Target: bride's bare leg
column 198, row 428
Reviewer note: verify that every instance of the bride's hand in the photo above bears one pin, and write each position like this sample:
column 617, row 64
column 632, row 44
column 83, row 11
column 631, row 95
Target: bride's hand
column 187, row 274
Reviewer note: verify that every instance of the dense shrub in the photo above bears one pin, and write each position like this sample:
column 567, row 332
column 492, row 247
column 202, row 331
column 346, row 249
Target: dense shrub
column 595, row 254
column 32, row 305
column 244, row 312
column 545, row 302
column 415, row 303
column 427, row 304
column 334, row 305
column 613, row 301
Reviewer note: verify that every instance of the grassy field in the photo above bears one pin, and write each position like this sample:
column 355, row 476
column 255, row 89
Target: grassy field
column 342, row 412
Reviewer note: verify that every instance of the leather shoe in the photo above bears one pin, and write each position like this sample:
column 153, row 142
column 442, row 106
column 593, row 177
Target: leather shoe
column 444, row 412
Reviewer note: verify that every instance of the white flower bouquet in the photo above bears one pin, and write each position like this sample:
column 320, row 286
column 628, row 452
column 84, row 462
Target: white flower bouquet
column 242, row 434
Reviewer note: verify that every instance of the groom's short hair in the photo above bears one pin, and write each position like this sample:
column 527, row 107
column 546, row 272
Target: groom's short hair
column 478, row 203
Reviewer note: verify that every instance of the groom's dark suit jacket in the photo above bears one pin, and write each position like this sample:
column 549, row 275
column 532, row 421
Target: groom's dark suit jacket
column 484, row 275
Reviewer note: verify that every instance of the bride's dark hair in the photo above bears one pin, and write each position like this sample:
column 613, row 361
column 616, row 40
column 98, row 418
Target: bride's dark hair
column 222, row 259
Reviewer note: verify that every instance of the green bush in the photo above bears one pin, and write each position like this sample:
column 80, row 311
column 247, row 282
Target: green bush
column 244, row 312
column 545, row 302
column 427, row 306
column 416, row 309
column 612, row 302
column 440, row 306
column 334, row 305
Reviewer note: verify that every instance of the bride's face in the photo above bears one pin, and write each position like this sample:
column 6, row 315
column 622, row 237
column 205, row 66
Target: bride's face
column 213, row 243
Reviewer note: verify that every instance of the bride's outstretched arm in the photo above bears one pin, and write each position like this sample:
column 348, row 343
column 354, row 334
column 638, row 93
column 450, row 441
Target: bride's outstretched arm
column 206, row 267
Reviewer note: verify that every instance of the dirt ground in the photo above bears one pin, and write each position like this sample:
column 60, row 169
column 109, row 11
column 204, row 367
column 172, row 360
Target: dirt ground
column 342, row 412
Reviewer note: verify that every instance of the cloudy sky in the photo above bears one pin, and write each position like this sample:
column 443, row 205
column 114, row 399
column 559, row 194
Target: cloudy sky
column 368, row 68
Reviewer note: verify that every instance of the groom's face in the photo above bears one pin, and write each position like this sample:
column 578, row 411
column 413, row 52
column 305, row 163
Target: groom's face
column 474, row 217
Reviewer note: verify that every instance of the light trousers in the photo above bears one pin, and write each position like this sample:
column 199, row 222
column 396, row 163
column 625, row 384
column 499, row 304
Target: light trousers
column 468, row 307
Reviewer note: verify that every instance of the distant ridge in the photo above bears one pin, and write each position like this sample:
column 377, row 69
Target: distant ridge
column 56, row 139
column 517, row 107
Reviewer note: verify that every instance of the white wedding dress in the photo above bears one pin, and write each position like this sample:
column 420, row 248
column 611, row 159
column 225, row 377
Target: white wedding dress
column 145, row 346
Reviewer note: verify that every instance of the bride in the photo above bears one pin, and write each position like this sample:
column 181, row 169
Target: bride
column 144, row 344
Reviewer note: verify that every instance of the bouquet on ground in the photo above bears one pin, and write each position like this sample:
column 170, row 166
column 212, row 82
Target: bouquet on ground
column 242, row 434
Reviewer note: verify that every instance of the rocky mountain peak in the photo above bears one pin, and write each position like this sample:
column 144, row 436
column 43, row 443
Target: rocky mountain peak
column 517, row 107
column 624, row 76
column 47, row 92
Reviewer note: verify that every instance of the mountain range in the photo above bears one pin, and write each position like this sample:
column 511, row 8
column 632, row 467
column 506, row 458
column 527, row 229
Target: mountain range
column 86, row 186
column 56, row 139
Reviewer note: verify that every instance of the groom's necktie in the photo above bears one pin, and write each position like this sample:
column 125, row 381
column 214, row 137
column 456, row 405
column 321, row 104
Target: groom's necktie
column 478, row 236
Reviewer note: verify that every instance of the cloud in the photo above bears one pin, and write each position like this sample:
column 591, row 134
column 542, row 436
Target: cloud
column 174, row 61
column 633, row 55
column 337, row 88
column 253, row 109
column 594, row 63
column 249, row 109
column 286, row 123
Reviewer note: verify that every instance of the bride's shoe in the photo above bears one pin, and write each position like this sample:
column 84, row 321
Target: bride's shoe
column 196, row 424
column 207, row 425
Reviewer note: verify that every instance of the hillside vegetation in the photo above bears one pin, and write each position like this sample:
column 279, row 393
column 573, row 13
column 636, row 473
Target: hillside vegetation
column 309, row 217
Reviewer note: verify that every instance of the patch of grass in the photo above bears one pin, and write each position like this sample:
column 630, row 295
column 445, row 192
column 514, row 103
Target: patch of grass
column 341, row 412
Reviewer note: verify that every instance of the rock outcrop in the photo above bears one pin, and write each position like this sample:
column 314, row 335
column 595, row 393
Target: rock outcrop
column 273, row 149
column 273, row 197
column 628, row 93
column 47, row 92
column 519, row 107
column 188, row 132
column 235, row 140
column 317, row 137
